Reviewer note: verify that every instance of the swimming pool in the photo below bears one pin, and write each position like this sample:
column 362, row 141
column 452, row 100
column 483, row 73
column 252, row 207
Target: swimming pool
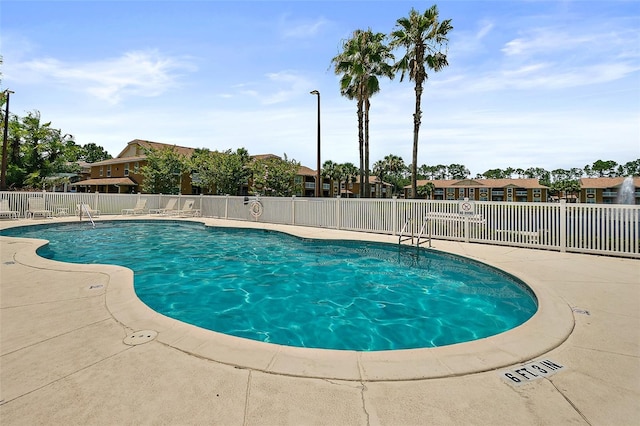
column 277, row 288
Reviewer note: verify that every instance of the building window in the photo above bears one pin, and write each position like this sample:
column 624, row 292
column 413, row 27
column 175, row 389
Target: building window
column 101, row 171
column 136, row 167
column 126, row 169
column 108, row 171
column 537, row 194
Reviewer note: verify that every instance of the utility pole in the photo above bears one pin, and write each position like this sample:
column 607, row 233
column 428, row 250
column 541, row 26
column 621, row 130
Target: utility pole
column 318, row 177
column 3, row 172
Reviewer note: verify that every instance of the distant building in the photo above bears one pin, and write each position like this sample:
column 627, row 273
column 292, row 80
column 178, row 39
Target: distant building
column 515, row 190
column 306, row 180
column 378, row 188
column 605, row 190
column 122, row 174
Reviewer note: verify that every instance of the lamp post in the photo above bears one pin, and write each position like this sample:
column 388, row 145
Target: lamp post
column 318, row 178
column 5, row 137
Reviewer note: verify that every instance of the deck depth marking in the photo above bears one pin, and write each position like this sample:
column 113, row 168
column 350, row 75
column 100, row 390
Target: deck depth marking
column 531, row 371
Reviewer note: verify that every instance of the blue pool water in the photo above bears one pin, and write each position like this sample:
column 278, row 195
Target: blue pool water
column 277, row 288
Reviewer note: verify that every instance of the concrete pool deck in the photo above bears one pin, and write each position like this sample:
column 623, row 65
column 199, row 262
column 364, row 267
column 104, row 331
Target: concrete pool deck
column 77, row 347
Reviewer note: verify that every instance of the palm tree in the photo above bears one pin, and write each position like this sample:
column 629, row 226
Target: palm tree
column 346, row 172
column 422, row 36
column 331, row 170
column 364, row 58
column 390, row 168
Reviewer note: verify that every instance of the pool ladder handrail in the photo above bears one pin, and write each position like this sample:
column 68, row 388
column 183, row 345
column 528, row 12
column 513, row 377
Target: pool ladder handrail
column 85, row 207
column 425, row 224
column 402, row 231
column 419, row 238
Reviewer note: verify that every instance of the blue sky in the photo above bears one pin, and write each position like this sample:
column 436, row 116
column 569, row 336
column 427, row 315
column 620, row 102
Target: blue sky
column 552, row 84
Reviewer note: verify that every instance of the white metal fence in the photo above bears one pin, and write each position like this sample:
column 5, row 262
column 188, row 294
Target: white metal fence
column 584, row 228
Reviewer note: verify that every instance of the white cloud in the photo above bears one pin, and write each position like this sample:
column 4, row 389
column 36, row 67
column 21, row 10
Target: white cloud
column 277, row 87
column 137, row 73
column 301, row 28
column 484, row 29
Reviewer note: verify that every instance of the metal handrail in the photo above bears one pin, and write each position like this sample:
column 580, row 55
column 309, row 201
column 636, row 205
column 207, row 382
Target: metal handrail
column 86, row 209
column 404, row 228
column 424, row 225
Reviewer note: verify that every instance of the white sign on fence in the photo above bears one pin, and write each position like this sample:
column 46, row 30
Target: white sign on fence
column 466, row 207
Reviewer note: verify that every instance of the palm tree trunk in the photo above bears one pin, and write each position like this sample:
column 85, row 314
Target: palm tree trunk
column 416, row 129
column 367, row 187
column 361, row 144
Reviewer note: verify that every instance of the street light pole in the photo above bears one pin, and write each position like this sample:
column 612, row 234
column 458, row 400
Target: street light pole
column 318, row 178
column 5, row 137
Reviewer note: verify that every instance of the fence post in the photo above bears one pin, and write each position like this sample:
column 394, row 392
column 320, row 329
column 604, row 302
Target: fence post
column 338, row 214
column 394, row 214
column 563, row 225
column 293, row 210
column 226, row 206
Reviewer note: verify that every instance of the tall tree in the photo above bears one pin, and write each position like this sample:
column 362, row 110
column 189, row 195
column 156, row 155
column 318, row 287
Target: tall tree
column 274, row 177
column 632, row 168
column 347, row 172
column 458, row 171
column 604, row 168
column 163, row 171
column 364, row 58
column 221, row 172
column 391, row 170
column 92, row 153
column 423, row 37
column 37, row 150
column 331, row 170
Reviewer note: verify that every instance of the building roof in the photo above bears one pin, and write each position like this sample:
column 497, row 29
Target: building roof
column 122, row 181
column 119, row 160
column 606, row 182
column 481, row 183
column 373, row 180
column 184, row 150
column 306, row 171
column 265, row 156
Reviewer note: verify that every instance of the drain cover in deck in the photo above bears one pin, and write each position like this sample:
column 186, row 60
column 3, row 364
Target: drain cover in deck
column 140, row 337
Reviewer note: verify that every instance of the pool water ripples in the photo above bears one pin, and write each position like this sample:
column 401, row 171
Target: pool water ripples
column 277, row 288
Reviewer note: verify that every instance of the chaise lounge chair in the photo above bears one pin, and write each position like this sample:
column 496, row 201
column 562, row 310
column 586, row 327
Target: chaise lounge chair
column 6, row 212
column 86, row 209
column 37, row 208
column 168, row 209
column 140, row 208
column 187, row 209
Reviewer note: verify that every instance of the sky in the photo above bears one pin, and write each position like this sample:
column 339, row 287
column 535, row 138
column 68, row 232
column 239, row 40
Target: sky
column 551, row 84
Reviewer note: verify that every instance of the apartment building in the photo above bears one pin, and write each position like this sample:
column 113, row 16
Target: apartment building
column 606, row 190
column 123, row 173
column 378, row 188
column 514, row 190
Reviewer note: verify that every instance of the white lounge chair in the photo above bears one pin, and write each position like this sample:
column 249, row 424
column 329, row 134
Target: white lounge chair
column 37, row 208
column 5, row 210
column 169, row 208
column 85, row 208
column 187, row 209
column 140, row 208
